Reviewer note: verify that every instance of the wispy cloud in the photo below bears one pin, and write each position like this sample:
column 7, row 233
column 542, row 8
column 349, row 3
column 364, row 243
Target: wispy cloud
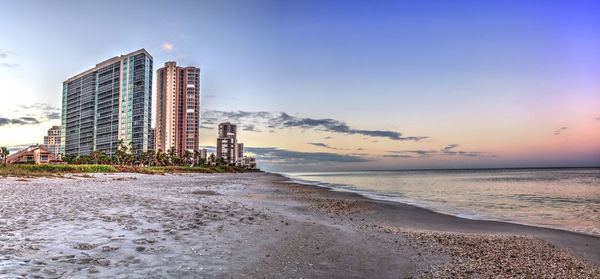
column 418, row 152
column 449, row 150
column 214, row 116
column 9, row 65
column 288, row 157
column 21, row 121
column 559, row 130
column 284, row 120
column 320, row 144
column 6, row 53
column 336, row 126
column 53, row 115
column 167, row 46
column 31, row 114
column 41, row 111
column 397, row 156
column 449, row 147
column 250, row 128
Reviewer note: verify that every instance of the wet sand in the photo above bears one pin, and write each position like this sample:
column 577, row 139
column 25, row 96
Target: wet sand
column 259, row 225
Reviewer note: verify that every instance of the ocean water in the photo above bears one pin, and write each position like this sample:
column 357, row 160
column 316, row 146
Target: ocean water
column 567, row 199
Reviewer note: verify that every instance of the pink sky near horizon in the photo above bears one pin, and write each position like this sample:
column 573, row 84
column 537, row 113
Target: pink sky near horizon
column 498, row 79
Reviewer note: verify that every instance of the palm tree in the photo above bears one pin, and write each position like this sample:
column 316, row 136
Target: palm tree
column 128, row 159
column 104, row 158
column 187, row 157
column 172, row 154
column 4, row 153
column 113, row 159
column 163, row 159
column 172, row 151
column 84, row 160
column 142, row 158
column 70, row 158
column 151, row 157
column 132, row 147
column 121, row 151
column 96, row 155
column 158, row 157
column 196, row 157
column 120, row 144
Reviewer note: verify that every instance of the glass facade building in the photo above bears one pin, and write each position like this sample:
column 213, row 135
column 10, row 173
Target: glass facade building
column 106, row 103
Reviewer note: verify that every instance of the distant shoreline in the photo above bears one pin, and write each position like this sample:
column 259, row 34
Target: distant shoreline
column 417, row 217
column 432, row 210
column 448, row 169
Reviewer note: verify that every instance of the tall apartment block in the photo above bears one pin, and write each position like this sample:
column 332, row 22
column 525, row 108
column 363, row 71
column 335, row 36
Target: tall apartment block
column 239, row 151
column 177, row 108
column 151, row 139
column 106, row 103
column 227, row 142
column 52, row 141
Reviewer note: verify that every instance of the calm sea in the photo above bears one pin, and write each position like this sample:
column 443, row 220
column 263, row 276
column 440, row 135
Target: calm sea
column 557, row 198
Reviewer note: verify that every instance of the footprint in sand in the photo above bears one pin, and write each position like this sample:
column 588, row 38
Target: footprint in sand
column 84, row 246
column 144, row 241
column 109, row 248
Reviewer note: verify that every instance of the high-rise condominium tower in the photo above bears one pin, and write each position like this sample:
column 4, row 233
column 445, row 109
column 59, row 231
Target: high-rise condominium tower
column 52, row 140
column 239, row 151
column 227, row 142
column 178, row 108
column 106, row 103
column 151, row 139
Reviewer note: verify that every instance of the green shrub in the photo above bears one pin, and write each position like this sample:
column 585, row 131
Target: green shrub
column 219, row 169
column 26, row 170
column 67, row 168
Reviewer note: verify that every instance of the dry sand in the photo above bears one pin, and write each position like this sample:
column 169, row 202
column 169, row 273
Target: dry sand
column 258, row 226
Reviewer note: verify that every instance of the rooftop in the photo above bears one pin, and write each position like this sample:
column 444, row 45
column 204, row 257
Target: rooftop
column 108, row 62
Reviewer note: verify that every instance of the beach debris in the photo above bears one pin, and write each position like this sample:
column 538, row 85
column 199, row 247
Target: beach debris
column 495, row 256
column 338, row 206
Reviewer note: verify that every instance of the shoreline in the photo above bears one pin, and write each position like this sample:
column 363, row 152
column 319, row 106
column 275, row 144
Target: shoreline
column 464, row 169
column 551, row 235
column 433, row 210
column 259, row 225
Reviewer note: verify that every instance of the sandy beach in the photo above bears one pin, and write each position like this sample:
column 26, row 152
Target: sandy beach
column 259, row 225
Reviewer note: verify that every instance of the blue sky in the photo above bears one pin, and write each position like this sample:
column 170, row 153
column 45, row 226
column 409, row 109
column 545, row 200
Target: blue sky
column 495, row 78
